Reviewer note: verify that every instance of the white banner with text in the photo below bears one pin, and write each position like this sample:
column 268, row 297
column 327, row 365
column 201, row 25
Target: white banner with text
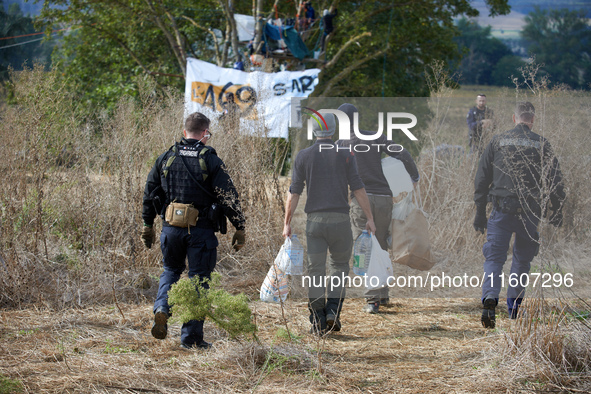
column 258, row 95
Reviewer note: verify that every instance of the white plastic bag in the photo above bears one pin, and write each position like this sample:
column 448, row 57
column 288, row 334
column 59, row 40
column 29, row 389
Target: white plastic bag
column 403, row 208
column 380, row 266
column 276, row 285
column 398, row 178
column 282, row 261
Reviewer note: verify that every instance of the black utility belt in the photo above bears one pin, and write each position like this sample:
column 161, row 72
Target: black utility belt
column 510, row 205
column 211, row 216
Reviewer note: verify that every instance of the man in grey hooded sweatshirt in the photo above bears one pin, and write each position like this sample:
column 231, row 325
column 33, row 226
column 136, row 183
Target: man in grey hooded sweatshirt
column 369, row 166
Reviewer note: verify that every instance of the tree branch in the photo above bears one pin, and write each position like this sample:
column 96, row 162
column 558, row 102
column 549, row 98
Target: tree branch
column 178, row 37
column 272, row 11
column 336, row 57
column 258, row 27
column 340, row 76
column 226, row 46
column 233, row 33
column 215, row 39
column 171, row 41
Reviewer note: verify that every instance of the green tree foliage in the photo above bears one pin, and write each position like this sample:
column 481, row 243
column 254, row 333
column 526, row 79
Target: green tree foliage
column 14, row 51
column 486, row 60
column 191, row 300
column 561, row 41
column 382, row 47
column 113, row 42
column 506, row 69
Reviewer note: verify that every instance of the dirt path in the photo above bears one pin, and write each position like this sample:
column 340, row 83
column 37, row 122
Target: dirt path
column 413, row 346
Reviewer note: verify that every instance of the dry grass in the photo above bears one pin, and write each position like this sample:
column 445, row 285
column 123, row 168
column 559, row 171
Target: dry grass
column 415, row 346
column 76, row 284
column 551, row 345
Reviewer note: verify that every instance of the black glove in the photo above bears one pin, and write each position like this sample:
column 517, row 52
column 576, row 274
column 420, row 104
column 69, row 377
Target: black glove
column 147, row 236
column 556, row 218
column 480, row 221
column 238, row 240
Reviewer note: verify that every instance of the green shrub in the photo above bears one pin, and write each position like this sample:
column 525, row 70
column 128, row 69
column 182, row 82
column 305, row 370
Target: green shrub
column 195, row 300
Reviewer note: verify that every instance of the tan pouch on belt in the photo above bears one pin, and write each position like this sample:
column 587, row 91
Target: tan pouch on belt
column 181, row 215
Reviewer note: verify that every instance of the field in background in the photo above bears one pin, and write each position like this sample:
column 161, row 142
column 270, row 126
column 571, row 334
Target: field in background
column 503, row 26
column 76, row 284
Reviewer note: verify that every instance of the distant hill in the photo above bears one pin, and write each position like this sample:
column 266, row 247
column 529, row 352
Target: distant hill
column 527, row 6
column 508, row 27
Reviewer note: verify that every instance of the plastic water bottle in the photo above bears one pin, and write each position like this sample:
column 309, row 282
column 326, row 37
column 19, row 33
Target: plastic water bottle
column 361, row 253
column 296, row 255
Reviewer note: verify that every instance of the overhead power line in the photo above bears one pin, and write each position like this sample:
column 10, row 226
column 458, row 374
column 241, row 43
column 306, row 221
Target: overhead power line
column 33, row 34
column 21, row 43
column 28, row 35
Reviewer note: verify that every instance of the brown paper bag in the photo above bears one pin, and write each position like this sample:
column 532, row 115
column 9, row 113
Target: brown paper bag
column 411, row 245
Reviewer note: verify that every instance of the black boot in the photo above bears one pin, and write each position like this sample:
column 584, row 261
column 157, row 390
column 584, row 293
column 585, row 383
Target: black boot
column 160, row 328
column 318, row 320
column 488, row 313
column 333, row 312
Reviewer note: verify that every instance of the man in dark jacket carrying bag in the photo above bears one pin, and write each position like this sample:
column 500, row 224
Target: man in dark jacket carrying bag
column 186, row 186
column 369, row 165
column 517, row 171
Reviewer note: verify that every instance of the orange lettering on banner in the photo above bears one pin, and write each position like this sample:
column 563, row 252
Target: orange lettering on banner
column 213, row 96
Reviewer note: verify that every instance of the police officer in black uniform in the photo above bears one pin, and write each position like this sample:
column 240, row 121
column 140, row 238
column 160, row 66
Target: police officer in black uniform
column 480, row 120
column 189, row 173
column 517, row 172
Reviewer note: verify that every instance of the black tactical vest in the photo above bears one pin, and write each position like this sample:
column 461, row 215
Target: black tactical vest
column 519, row 165
column 180, row 185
